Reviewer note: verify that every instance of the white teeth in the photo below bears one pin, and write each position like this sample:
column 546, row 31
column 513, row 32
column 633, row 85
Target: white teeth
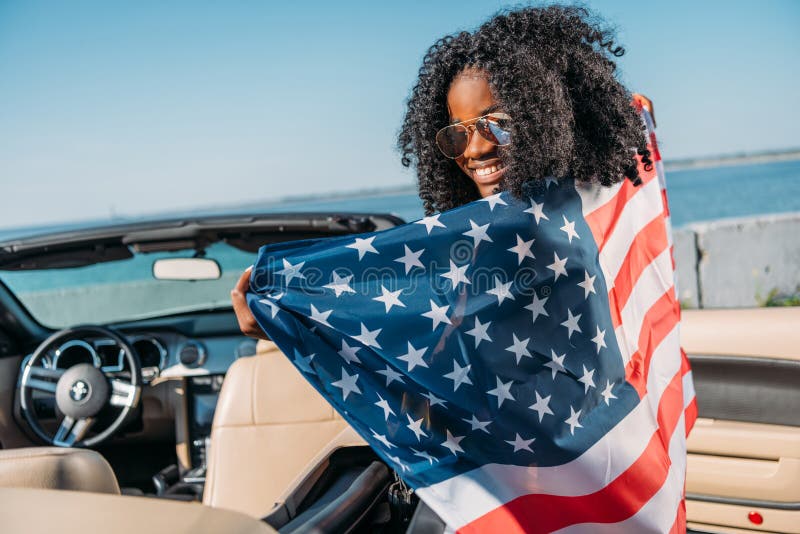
column 489, row 170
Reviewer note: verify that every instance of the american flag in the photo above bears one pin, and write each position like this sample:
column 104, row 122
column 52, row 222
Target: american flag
column 516, row 361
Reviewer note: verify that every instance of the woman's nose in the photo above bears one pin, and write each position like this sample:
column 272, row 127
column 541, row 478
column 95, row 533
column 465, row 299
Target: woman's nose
column 478, row 146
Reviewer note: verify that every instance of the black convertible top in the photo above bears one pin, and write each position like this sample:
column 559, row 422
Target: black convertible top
column 107, row 242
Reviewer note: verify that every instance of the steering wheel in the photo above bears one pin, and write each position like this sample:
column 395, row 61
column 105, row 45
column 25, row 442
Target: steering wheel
column 81, row 390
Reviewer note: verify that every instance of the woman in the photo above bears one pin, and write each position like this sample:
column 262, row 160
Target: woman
column 538, row 85
column 510, row 404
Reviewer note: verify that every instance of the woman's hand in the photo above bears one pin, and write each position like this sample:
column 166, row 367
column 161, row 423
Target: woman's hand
column 247, row 323
column 646, row 103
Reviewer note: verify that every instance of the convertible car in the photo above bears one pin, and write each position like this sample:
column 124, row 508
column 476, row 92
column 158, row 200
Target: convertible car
column 131, row 402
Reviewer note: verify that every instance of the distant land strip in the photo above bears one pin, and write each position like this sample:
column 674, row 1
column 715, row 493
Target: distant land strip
column 739, row 158
column 706, row 162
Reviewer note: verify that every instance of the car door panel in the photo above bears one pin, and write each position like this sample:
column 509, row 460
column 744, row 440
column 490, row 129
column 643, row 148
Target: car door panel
column 743, row 466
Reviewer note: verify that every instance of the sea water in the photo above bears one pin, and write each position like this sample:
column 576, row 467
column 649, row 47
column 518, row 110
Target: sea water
column 694, row 195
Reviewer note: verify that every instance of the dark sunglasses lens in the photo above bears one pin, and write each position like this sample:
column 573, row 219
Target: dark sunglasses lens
column 453, row 140
column 495, row 130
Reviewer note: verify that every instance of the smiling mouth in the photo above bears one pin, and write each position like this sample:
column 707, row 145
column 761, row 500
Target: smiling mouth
column 488, row 174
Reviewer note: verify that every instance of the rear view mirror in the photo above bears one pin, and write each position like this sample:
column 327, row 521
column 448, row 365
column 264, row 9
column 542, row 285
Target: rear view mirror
column 186, row 269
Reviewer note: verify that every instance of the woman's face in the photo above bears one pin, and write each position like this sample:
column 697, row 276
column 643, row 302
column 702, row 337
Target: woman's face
column 470, row 97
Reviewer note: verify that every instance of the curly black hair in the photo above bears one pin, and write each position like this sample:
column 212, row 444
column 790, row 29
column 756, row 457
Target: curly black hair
column 552, row 70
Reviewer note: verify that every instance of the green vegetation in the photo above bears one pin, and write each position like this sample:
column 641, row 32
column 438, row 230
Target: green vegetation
column 775, row 298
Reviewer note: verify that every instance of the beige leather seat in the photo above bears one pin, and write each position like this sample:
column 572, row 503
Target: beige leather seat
column 268, row 426
column 56, row 468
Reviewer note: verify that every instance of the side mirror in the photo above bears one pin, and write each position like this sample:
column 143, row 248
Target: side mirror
column 186, row 269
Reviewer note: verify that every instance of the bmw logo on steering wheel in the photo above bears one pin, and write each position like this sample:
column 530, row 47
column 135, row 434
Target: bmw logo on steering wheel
column 79, row 392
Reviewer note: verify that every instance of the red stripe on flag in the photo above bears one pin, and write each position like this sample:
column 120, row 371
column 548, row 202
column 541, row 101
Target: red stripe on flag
column 664, row 200
column 679, row 527
column 647, row 245
column 691, row 415
column 602, row 220
column 619, row 500
column 690, row 412
column 659, row 321
column 653, row 147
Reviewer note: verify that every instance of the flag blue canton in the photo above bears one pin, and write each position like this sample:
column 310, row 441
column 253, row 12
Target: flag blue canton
column 479, row 335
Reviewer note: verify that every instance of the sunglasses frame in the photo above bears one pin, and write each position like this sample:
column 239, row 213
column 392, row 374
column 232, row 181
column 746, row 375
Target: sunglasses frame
column 471, row 128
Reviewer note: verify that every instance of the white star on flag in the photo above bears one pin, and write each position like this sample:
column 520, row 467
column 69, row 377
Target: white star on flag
column 390, row 298
column 438, row 314
column 383, row 404
column 558, row 266
column 587, row 284
column 569, row 229
column 587, row 379
column 572, row 420
column 395, row 459
column 414, row 357
column 304, row 362
column 348, row 353
column 475, row 424
column 520, row 444
column 347, row 384
column 502, row 391
column 542, row 406
column 290, row 271
column 320, row 317
column 607, row 395
column 272, row 306
column 572, row 323
column 457, row 275
column 340, row 284
column 382, row 439
column 520, row 348
column 452, row 443
column 600, row 339
column 369, row 337
column 434, row 400
column 522, row 249
column 391, row 375
column 363, row 246
column 556, row 364
column 537, row 210
column 411, row 258
column 424, row 455
column 459, row 375
column 494, row 200
column 479, row 332
column 478, row 233
column 537, row 307
column 501, row 291
column 430, row 222
column 416, row 427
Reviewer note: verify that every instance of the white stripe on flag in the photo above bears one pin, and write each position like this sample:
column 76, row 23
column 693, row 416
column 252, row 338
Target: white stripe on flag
column 654, row 281
column 659, row 513
column 594, row 196
column 611, row 456
column 688, row 389
column 644, row 206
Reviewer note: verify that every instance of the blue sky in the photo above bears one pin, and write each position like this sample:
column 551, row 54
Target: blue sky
column 139, row 107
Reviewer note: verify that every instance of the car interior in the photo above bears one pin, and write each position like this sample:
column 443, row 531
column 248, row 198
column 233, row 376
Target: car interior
column 200, row 429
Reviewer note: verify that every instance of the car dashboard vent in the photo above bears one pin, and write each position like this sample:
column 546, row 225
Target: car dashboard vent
column 192, row 354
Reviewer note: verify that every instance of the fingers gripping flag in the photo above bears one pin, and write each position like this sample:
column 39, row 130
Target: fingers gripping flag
column 516, row 361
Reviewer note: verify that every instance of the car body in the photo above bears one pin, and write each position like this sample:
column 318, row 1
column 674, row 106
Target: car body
column 196, row 368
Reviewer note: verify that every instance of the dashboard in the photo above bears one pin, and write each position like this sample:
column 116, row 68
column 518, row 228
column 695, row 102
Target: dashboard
column 183, row 369
column 162, row 354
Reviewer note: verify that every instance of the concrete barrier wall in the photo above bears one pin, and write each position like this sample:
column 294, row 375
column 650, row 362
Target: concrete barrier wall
column 738, row 262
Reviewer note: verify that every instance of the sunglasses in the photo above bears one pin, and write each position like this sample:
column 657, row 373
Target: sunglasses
column 454, row 139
